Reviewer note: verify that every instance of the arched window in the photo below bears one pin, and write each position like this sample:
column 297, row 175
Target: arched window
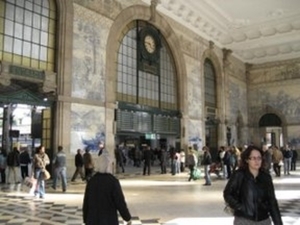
column 27, row 33
column 210, row 84
column 154, row 86
column 210, row 96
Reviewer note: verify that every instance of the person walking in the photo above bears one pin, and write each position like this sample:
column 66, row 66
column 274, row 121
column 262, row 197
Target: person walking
column 206, row 162
column 13, row 164
column 40, row 161
column 78, row 165
column 24, row 162
column 88, row 163
column 103, row 196
column 250, row 192
column 60, row 169
column 294, row 159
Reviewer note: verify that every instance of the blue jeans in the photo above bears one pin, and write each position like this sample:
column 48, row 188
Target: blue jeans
column 206, row 174
column 40, row 183
column 62, row 173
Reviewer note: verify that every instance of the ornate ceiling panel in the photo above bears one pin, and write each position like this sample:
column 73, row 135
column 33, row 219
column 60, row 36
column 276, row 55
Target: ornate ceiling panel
column 256, row 31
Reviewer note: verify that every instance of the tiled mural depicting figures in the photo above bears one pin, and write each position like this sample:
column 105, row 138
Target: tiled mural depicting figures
column 237, row 100
column 194, row 88
column 87, row 127
column 194, row 133
column 89, row 46
column 284, row 101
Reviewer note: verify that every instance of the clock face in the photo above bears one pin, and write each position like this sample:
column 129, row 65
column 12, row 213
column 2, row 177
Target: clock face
column 149, row 44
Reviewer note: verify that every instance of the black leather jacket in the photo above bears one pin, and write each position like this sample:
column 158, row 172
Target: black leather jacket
column 252, row 198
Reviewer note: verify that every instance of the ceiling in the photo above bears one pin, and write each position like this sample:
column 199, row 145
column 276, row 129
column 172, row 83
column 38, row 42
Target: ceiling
column 257, row 31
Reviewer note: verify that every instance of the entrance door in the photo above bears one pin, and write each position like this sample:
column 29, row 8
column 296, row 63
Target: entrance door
column 270, row 126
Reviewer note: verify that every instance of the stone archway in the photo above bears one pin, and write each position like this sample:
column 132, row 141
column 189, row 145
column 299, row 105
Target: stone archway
column 132, row 13
column 270, row 126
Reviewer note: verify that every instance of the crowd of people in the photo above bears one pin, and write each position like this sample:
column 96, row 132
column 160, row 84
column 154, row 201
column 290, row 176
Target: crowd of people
column 249, row 173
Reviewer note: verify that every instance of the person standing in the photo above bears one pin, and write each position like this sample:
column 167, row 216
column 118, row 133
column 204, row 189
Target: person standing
column 147, row 155
column 277, row 158
column 40, row 161
column 2, row 166
column 60, row 169
column 287, row 159
column 13, row 164
column 206, row 162
column 163, row 161
column 191, row 163
column 250, row 191
column 294, row 159
column 120, row 157
column 103, row 196
column 182, row 160
column 78, row 165
column 24, row 162
column 88, row 163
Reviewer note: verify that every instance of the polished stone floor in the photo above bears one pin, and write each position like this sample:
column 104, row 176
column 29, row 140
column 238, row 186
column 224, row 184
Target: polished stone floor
column 152, row 200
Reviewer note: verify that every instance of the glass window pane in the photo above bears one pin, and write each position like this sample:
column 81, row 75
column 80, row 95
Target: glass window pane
column 37, row 9
column 45, row 12
column 28, row 5
column 18, row 30
column 36, row 21
column 10, row 12
column 26, row 49
column 46, row 3
column 9, row 27
column 35, row 51
column 44, row 38
column 45, row 22
column 17, row 46
column 20, row 3
column 38, row 2
column 28, row 18
column 36, row 36
column 43, row 53
column 27, row 33
column 8, row 44
column 19, row 15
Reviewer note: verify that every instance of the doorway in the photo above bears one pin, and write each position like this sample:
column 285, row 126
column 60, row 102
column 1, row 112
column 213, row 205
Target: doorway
column 270, row 126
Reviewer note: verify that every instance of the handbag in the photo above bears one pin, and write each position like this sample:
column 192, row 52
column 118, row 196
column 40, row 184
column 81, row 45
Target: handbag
column 46, row 175
column 29, row 185
column 196, row 174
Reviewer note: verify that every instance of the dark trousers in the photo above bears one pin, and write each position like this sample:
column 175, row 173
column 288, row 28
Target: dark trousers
column 147, row 166
column 181, row 167
column 276, row 168
column 191, row 172
column 163, row 167
column 2, row 173
column 293, row 165
column 24, row 171
column 88, row 173
column 78, row 171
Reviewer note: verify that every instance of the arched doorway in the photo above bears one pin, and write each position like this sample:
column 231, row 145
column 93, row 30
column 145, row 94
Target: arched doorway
column 270, row 126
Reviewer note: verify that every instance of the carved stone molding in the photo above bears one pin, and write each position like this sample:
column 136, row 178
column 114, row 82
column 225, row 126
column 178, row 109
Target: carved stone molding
column 153, row 6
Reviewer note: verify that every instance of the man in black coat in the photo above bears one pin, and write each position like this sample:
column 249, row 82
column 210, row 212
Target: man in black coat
column 79, row 166
column 103, row 197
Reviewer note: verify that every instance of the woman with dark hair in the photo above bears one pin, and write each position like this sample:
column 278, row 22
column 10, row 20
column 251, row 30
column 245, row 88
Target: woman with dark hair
column 250, row 191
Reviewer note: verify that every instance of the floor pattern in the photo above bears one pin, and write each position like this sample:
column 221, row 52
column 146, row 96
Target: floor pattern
column 18, row 210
